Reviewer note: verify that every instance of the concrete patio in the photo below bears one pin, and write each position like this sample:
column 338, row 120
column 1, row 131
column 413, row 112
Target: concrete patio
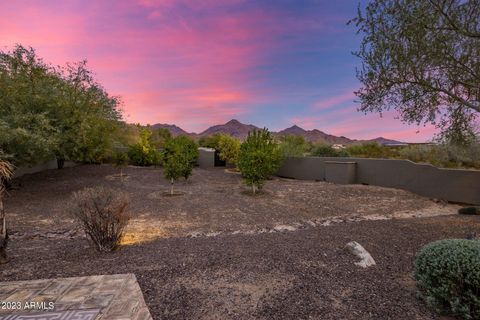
column 106, row 297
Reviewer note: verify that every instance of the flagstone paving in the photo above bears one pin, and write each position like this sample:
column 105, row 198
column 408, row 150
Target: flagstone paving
column 106, row 297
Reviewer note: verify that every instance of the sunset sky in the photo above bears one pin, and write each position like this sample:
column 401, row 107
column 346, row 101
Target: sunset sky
column 198, row 63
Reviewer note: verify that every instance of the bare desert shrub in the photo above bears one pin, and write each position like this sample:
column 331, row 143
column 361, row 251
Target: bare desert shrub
column 103, row 214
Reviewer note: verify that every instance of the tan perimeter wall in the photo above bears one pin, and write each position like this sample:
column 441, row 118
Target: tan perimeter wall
column 455, row 185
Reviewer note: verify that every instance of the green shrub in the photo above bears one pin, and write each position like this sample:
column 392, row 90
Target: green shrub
column 260, row 157
column 372, row 150
column 444, row 155
column 143, row 153
column 210, row 141
column 448, row 274
column 229, row 148
column 293, row 146
column 326, row 150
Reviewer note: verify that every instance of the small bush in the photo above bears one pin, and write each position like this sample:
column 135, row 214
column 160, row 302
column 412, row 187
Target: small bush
column 372, row 150
column 444, row 155
column 103, row 215
column 326, row 150
column 448, row 274
column 293, row 146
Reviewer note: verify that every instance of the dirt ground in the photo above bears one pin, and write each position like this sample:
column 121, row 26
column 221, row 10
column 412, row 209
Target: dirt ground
column 216, row 252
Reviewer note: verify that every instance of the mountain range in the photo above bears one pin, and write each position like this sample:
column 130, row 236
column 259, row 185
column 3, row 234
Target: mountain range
column 240, row 130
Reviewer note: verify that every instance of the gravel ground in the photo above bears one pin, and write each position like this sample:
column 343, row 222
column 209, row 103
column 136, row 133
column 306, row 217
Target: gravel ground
column 301, row 274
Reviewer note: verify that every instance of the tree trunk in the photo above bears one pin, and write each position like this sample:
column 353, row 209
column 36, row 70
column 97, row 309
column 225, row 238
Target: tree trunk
column 60, row 163
column 121, row 174
column 253, row 188
column 3, row 234
column 171, row 187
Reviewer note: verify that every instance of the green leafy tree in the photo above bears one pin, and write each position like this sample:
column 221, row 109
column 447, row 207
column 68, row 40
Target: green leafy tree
column 326, row 150
column 160, row 136
column 180, row 156
column 260, row 157
column 293, row 145
column 229, row 148
column 27, row 90
column 88, row 119
column 372, row 150
column 143, row 153
column 210, row 141
column 421, row 58
column 48, row 111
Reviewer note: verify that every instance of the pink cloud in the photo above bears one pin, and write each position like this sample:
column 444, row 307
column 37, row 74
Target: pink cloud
column 331, row 102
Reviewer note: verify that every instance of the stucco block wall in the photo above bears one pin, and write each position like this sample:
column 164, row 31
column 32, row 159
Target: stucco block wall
column 456, row 185
column 340, row 172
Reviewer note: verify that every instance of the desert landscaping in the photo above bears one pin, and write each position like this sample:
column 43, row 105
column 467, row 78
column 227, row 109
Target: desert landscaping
column 217, row 252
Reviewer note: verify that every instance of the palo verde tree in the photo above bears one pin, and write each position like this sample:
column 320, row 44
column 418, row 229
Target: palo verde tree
column 88, row 117
column 48, row 111
column 28, row 91
column 179, row 157
column 229, row 148
column 422, row 58
column 260, row 157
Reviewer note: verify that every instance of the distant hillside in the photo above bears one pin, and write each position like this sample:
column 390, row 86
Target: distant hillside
column 233, row 127
column 314, row 135
column 174, row 130
column 240, row 130
column 382, row 140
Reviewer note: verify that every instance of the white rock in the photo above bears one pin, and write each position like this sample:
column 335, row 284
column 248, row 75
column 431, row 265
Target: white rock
column 356, row 249
column 281, row 228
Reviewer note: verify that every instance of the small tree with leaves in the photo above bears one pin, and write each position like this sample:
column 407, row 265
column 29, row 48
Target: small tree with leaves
column 179, row 158
column 121, row 161
column 6, row 173
column 229, row 148
column 144, row 153
column 260, row 157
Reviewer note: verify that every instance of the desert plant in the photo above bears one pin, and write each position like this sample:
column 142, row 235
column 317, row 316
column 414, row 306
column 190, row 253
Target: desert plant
column 260, row 157
column 103, row 214
column 229, row 148
column 209, row 141
column 448, row 274
column 180, row 156
column 326, row 150
column 120, row 160
column 6, row 173
column 293, row 145
column 444, row 155
column 143, row 153
column 372, row 150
